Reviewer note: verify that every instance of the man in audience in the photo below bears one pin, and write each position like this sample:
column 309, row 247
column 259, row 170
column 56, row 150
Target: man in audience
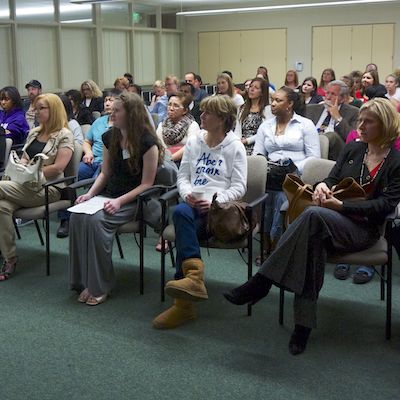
column 199, row 94
column 194, row 107
column 34, row 88
column 334, row 118
column 371, row 67
column 92, row 148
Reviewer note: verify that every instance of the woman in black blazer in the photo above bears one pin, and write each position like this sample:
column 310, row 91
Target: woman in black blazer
column 92, row 96
column 331, row 225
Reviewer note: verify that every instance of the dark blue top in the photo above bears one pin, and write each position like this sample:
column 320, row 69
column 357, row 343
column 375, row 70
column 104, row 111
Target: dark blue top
column 15, row 122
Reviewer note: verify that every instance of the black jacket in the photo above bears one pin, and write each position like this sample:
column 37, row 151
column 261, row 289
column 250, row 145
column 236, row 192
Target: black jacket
column 386, row 193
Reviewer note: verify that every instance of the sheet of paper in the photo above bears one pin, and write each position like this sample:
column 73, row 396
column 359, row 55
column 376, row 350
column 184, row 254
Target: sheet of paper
column 90, row 207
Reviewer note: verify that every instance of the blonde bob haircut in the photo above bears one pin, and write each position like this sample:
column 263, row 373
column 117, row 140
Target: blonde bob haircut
column 388, row 117
column 159, row 84
column 227, row 78
column 223, row 107
column 57, row 115
column 94, row 89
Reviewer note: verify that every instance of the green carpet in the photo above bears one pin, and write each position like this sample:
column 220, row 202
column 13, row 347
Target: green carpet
column 55, row 348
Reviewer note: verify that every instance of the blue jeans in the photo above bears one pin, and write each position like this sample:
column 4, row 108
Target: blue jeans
column 87, row 171
column 189, row 227
column 273, row 218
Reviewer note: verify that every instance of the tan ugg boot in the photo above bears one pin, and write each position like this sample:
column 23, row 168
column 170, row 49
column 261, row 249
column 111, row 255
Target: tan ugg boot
column 178, row 314
column 192, row 286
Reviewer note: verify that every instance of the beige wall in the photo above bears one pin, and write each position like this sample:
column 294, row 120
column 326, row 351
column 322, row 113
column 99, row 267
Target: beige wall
column 299, row 25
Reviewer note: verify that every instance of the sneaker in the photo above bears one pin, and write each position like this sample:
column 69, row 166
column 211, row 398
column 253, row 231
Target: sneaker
column 63, row 229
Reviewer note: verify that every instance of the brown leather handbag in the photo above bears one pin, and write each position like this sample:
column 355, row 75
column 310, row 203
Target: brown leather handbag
column 299, row 194
column 227, row 222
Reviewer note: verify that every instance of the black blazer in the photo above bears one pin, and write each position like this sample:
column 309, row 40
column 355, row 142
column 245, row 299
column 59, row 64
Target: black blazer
column 96, row 104
column 386, row 193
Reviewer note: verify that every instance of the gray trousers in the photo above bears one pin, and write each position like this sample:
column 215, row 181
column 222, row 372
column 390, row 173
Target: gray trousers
column 298, row 262
column 91, row 240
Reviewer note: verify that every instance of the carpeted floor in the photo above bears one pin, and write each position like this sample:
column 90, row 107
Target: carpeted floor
column 55, row 348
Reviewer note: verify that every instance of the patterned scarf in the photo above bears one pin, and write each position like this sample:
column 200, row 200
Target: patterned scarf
column 174, row 133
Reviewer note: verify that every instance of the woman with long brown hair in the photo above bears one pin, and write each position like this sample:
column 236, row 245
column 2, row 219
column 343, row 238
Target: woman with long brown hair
column 253, row 112
column 131, row 154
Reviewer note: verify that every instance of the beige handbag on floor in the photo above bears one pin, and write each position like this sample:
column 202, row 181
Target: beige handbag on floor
column 30, row 175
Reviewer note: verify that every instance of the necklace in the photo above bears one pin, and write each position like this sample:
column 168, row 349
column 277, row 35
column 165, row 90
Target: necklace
column 368, row 178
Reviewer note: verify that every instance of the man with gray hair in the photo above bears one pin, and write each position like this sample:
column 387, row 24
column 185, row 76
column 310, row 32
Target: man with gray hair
column 334, row 118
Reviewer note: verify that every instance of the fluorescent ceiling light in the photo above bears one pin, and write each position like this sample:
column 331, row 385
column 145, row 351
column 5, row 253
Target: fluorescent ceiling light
column 279, row 7
column 44, row 10
column 77, row 21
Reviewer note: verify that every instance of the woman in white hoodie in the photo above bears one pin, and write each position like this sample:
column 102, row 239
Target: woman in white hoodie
column 214, row 161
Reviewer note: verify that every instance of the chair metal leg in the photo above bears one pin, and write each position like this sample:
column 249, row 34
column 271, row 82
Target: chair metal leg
column 281, row 305
column 141, row 255
column 162, row 282
column 389, row 302
column 383, row 279
column 249, row 265
column 171, row 253
column 39, row 232
column 121, row 253
column 47, row 228
column 17, row 231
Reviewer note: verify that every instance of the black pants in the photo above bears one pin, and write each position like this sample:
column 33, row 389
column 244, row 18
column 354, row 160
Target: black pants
column 298, row 262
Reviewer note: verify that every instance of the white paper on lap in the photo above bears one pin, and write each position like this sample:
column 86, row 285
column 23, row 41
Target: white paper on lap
column 91, row 206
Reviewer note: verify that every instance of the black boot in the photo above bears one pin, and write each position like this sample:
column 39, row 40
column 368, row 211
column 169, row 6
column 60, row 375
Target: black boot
column 252, row 291
column 63, row 229
column 299, row 339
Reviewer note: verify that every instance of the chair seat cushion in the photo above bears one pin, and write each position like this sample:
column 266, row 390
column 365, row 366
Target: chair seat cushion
column 38, row 212
column 375, row 255
column 129, row 227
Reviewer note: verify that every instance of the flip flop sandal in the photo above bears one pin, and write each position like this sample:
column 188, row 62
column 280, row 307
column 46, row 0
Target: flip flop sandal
column 166, row 247
column 363, row 274
column 342, row 271
column 95, row 301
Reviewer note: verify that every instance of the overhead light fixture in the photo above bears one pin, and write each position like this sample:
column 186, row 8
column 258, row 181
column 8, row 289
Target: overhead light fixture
column 77, row 21
column 92, row 1
column 279, row 7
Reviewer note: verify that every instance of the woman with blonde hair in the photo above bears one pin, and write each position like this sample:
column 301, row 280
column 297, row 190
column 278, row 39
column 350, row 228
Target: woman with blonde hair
column 216, row 145
column 225, row 87
column 333, row 226
column 159, row 101
column 92, row 96
column 131, row 154
column 52, row 138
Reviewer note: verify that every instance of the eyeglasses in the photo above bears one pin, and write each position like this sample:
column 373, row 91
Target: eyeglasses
column 175, row 106
column 41, row 108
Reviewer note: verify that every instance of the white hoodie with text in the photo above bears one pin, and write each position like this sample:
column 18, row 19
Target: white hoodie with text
column 221, row 169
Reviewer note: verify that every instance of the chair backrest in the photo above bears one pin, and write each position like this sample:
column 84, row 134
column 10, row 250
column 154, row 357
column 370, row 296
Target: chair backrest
column 256, row 177
column 96, row 114
column 324, row 145
column 316, row 169
column 73, row 166
column 85, row 129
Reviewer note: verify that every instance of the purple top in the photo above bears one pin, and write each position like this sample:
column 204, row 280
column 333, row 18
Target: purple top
column 15, row 122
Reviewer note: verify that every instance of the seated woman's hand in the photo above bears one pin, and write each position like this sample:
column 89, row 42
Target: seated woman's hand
column 84, row 197
column 321, row 193
column 88, row 158
column 112, row 206
column 333, row 203
column 202, row 206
